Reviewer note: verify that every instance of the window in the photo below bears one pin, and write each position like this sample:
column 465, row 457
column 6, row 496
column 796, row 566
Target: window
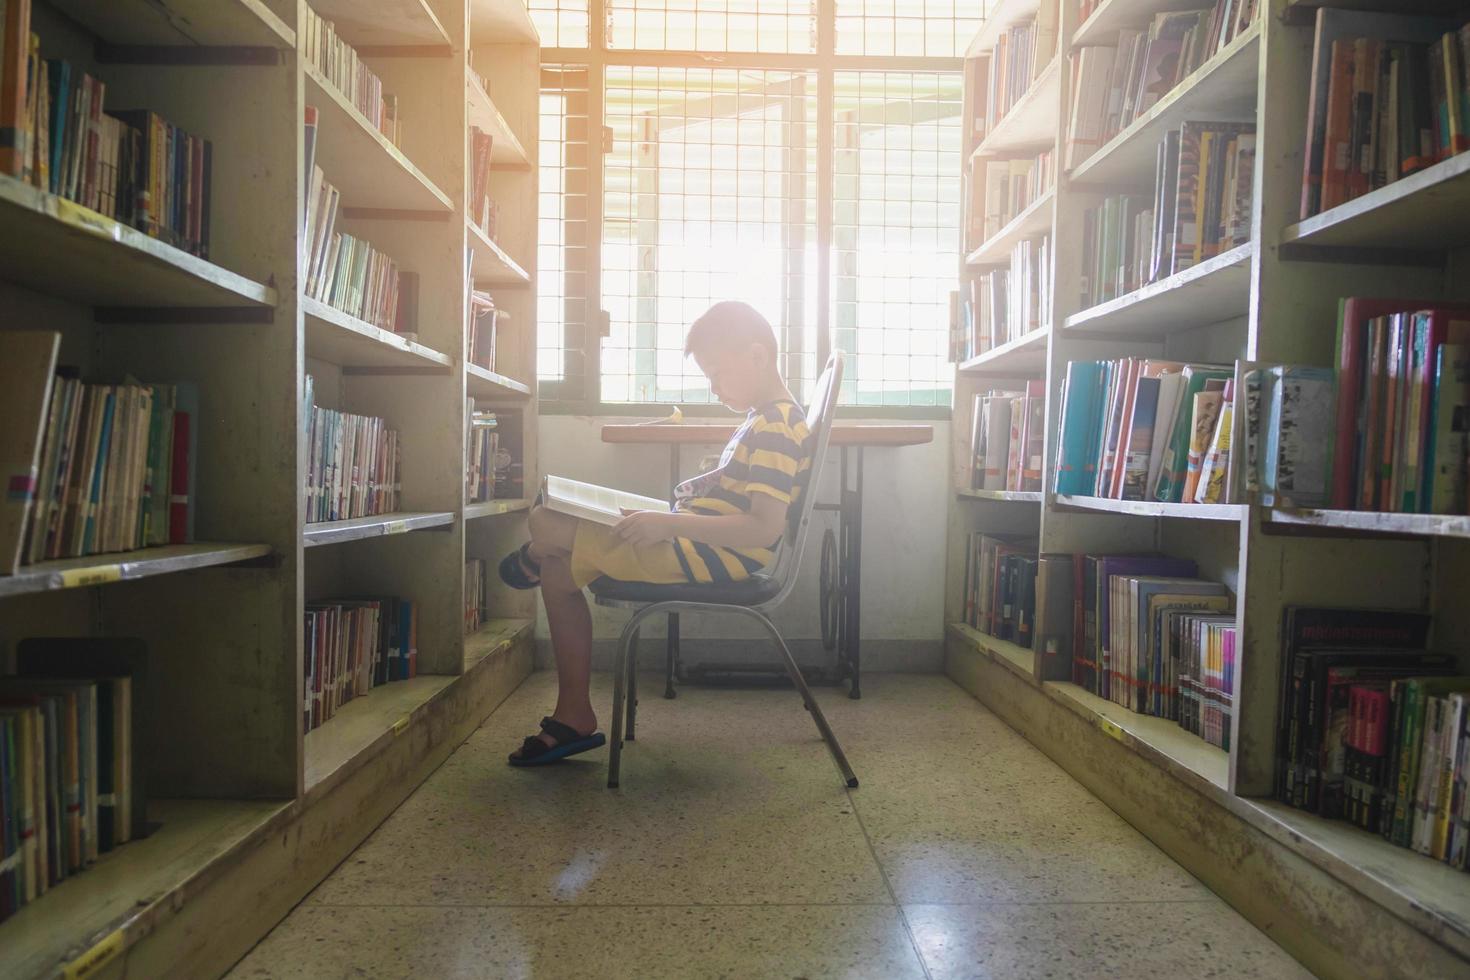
column 732, row 158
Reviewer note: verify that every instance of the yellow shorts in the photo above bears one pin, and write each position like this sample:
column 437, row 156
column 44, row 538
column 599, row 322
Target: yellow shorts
column 597, row 551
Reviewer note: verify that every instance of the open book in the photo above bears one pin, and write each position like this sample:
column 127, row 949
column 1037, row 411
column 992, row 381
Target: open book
column 593, row 503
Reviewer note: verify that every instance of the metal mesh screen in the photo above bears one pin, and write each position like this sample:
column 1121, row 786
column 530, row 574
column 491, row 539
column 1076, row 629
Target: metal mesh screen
column 710, row 194
column 785, row 26
column 895, row 247
column 562, row 257
column 561, row 23
column 930, row 28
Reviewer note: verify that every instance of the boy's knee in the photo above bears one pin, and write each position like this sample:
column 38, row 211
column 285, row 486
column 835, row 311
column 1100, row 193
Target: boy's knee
column 537, row 520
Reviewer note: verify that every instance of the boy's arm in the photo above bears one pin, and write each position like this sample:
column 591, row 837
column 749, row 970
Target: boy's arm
column 757, row 529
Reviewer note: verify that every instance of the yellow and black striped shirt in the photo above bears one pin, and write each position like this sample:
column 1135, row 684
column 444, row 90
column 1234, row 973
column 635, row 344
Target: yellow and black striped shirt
column 767, row 455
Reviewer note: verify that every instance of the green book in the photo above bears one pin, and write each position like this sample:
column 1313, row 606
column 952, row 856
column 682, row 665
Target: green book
column 1175, row 466
column 1417, row 691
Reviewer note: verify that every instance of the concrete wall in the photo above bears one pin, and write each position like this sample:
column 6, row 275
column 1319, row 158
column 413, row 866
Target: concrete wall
column 903, row 546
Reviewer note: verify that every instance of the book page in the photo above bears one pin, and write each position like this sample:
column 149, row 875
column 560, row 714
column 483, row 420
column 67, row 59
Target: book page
column 591, row 502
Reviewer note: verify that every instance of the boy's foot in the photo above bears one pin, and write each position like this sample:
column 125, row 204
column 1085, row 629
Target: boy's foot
column 556, row 741
column 518, row 570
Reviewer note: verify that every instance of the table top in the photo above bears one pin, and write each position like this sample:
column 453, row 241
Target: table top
column 848, row 434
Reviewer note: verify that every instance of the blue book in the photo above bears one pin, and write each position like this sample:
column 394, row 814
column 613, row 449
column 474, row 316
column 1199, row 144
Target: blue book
column 59, row 76
column 99, row 468
column 1076, row 460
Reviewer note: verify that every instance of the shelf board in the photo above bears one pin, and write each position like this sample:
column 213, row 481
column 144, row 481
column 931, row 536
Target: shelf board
column 348, row 342
column 1215, row 290
column 124, row 566
column 1022, row 357
column 1152, row 508
column 384, row 23
column 1008, row 496
column 484, row 383
column 1223, row 88
column 502, row 22
column 506, row 152
column 1032, row 121
column 381, row 525
column 1035, row 219
column 349, row 735
column 60, row 248
column 1103, row 26
column 1368, row 522
column 494, row 508
column 1004, row 14
column 1161, row 739
column 492, row 636
column 1422, row 211
column 1009, row 655
column 225, row 23
column 360, row 161
column 117, row 900
column 492, row 264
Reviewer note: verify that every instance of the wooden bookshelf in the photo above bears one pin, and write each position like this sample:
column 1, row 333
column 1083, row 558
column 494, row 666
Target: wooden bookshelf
column 1031, row 122
column 354, row 344
column 1022, row 357
column 1217, row 289
column 1004, row 496
column 1223, row 88
column 1033, row 220
column 493, row 264
column 1271, row 300
column 223, row 621
column 1000, row 15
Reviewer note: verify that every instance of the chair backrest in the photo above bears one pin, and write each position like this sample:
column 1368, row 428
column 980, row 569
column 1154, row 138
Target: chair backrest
column 798, row 520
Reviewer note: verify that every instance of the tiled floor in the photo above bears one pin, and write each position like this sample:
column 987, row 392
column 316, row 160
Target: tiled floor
column 732, row 850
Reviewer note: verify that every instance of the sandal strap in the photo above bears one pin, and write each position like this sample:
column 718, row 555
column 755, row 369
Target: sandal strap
column 533, row 746
column 563, row 734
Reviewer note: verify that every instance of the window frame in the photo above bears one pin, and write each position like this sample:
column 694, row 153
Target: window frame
column 582, row 396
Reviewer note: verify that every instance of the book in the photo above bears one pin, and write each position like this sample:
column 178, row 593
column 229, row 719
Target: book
column 14, row 50
column 590, row 502
column 26, row 374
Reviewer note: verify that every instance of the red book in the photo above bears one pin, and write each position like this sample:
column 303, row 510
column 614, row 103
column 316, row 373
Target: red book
column 178, row 501
column 1337, row 148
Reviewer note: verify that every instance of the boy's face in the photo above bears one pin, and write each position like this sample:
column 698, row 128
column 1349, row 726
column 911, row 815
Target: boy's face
column 736, row 376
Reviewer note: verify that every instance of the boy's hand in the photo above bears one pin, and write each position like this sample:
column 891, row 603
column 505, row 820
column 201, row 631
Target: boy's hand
column 640, row 527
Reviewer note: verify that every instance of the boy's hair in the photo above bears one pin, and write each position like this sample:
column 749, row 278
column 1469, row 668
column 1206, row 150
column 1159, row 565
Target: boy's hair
column 728, row 325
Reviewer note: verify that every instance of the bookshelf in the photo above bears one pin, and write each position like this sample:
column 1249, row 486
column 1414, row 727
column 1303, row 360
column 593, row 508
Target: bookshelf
column 229, row 767
column 1272, row 299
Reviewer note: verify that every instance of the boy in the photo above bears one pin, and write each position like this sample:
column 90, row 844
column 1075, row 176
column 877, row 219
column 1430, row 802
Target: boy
column 724, row 525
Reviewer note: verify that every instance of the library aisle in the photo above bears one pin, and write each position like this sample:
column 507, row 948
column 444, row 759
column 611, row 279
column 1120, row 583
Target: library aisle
column 985, row 862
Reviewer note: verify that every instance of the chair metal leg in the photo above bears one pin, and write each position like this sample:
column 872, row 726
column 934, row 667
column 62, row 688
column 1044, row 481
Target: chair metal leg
column 671, row 648
column 811, row 703
column 620, row 679
column 632, row 706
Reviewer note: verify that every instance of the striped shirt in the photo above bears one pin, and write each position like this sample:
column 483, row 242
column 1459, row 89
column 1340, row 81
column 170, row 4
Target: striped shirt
column 767, row 454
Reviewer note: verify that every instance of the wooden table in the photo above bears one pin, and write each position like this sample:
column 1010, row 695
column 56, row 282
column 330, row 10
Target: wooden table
column 841, row 586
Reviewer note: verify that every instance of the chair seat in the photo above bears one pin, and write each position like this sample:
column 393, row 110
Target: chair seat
column 752, row 591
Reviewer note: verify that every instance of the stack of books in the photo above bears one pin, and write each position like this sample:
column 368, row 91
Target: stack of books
column 340, row 64
column 1005, row 303
column 352, row 466
column 484, row 318
column 999, row 190
column 1374, row 728
column 1388, row 96
column 1000, row 586
column 1007, row 433
column 1386, row 430
column 345, row 272
column 1146, row 429
column 1155, row 638
column 1019, row 57
column 131, row 165
column 1201, row 207
column 475, row 583
column 481, row 452
column 353, row 646
column 1114, row 85
column 483, row 211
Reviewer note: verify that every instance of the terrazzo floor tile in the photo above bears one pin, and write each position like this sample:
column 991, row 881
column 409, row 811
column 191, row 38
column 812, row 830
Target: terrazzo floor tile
column 609, row 943
column 1137, row 940
column 704, row 816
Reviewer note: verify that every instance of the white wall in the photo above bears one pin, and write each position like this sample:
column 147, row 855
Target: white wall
column 903, row 534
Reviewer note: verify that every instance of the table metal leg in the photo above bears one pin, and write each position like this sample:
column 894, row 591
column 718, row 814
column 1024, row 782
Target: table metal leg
column 855, row 517
column 671, row 645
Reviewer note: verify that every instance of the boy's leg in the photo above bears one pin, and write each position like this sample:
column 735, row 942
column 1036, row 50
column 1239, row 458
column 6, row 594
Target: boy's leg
column 552, row 535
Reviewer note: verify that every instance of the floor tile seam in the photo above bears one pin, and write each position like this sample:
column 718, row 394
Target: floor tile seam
column 903, row 918
column 598, row 905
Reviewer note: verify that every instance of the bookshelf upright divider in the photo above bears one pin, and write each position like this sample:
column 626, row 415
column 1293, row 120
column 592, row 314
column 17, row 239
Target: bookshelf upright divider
column 229, row 766
column 1273, row 300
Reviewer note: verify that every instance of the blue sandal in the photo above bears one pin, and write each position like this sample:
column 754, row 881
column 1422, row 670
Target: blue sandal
column 569, row 741
column 513, row 569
